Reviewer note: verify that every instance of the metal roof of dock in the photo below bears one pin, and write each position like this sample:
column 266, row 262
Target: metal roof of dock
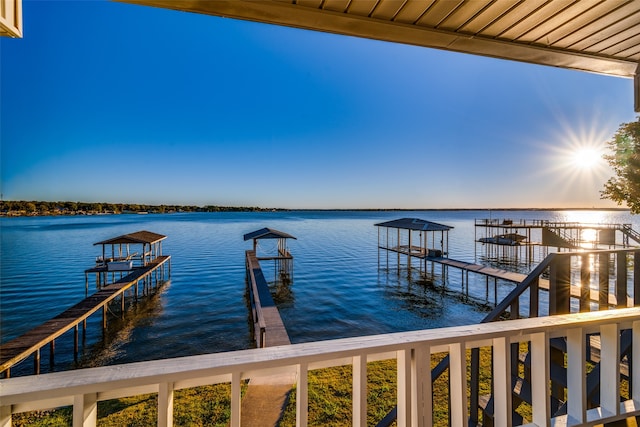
column 139, row 237
column 590, row 35
column 414, row 224
column 267, row 233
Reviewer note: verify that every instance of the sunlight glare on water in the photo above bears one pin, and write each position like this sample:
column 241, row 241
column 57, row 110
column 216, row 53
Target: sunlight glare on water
column 339, row 290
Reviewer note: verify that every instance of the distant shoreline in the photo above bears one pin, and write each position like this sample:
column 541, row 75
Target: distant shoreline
column 43, row 208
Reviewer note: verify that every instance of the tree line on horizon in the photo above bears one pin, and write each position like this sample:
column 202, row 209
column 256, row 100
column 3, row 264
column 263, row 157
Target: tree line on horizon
column 33, row 207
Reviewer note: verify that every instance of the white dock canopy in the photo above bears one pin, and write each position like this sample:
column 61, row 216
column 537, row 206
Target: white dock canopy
column 414, row 237
column 270, row 233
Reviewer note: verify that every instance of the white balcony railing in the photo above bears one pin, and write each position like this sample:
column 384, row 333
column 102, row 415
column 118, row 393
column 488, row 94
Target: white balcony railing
column 83, row 388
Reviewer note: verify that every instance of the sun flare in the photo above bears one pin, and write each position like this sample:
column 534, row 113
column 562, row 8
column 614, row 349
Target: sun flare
column 586, row 158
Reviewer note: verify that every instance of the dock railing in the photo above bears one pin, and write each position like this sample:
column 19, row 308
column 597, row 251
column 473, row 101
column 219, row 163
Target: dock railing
column 415, row 397
column 268, row 327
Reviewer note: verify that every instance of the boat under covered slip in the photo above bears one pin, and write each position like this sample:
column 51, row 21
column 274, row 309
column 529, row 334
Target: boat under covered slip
column 509, row 239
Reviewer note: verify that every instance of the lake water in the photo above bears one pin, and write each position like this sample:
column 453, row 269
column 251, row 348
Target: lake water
column 338, row 289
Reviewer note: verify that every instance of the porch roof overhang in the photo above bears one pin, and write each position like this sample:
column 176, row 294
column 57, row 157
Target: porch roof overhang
column 588, row 35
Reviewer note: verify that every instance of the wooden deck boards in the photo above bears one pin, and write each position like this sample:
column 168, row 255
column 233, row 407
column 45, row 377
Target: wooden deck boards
column 275, row 332
column 519, row 277
column 21, row 347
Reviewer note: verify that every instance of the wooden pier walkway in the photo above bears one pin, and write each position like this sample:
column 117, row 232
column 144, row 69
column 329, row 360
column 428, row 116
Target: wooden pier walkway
column 266, row 397
column 269, row 329
column 510, row 276
column 18, row 349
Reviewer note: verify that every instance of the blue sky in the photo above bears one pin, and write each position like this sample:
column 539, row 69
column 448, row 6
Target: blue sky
column 103, row 101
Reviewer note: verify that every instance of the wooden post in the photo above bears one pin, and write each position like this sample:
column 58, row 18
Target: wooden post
column 636, row 278
column 585, row 281
column 603, row 281
column 302, row 396
column 610, row 369
column 85, row 410
column 621, row 280
column 359, row 400
column 559, row 285
column 474, row 386
column 5, row 415
column 559, row 303
column 165, row 404
column 36, row 362
column 403, row 373
column 398, row 246
column 52, row 351
column 457, row 385
column 576, row 375
column 75, row 342
column 501, row 372
column 534, row 297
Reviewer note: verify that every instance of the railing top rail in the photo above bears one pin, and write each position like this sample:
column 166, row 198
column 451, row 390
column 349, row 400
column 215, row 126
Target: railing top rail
column 96, row 380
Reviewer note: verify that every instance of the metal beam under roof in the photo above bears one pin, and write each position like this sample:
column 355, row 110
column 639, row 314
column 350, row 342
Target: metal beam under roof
column 600, row 36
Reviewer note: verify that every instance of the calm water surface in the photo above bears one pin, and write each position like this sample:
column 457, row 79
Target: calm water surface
column 338, row 290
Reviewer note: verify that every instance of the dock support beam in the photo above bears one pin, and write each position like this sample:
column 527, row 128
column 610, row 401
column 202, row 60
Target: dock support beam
column 36, row 362
column 585, row 281
column 75, row 342
column 636, row 278
column 621, row 280
column 603, row 280
column 559, row 286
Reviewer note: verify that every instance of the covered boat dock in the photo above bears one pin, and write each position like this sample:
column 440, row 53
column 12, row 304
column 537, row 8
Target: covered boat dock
column 414, row 238
column 126, row 253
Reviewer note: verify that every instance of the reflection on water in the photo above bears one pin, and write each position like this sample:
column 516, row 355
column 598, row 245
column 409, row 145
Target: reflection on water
column 120, row 328
column 337, row 289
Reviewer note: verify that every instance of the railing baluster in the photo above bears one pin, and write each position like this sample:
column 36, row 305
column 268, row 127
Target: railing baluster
column 165, row 405
column 636, row 278
column 5, row 416
column 585, row 282
column 534, row 297
column 634, row 366
column 474, row 386
column 603, row 281
column 413, row 355
column 560, row 285
column 404, row 387
column 422, row 394
column 621, row 279
column 576, row 376
column 501, row 382
column 514, row 311
column 235, row 399
column 302, row 396
column 610, row 369
column 85, row 410
column 541, row 405
column 359, row 390
column 458, row 384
